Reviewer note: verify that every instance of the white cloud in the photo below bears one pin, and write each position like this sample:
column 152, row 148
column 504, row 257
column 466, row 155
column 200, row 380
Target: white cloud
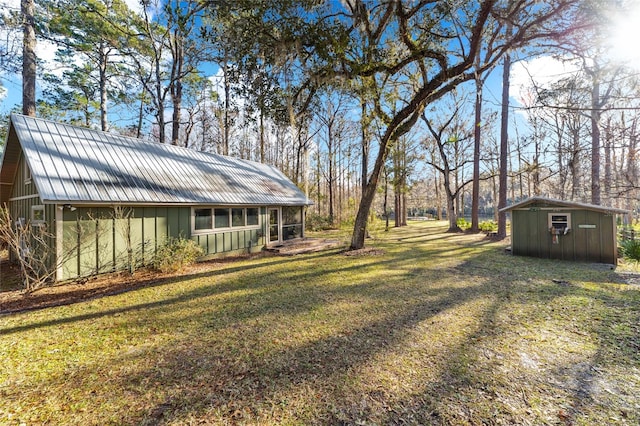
column 539, row 72
column 134, row 5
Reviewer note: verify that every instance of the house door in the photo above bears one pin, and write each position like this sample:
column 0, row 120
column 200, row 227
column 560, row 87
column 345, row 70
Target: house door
column 274, row 225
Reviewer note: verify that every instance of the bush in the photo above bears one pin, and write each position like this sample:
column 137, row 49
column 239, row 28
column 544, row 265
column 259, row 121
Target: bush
column 462, row 223
column 488, row 226
column 631, row 249
column 316, row 222
column 175, row 254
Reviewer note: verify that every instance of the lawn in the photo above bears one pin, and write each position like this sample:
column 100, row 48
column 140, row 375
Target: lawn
column 431, row 328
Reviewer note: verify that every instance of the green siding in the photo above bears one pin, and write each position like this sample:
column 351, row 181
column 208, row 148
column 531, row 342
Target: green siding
column 87, row 227
column 105, row 245
column 531, row 236
column 23, row 196
column 101, row 245
column 162, row 225
column 149, row 228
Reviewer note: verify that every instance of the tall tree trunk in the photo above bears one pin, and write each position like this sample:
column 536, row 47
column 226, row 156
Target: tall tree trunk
column 319, row 189
column 475, row 192
column 331, row 178
column 227, row 105
column 27, row 9
column 397, row 207
column 607, row 162
column 162, row 132
column 595, row 142
column 404, row 208
column 368, row 194
column 574, row 164
column 385, row 204
column 504, row 146
column 452, row 214
column 176, row 86
column 436, row 184
column 536, row 167
column 103, row 61
column 262, row 135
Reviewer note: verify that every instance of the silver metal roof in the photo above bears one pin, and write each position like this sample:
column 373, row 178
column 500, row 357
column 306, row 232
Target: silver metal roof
column 562, row 204
column 77, row 165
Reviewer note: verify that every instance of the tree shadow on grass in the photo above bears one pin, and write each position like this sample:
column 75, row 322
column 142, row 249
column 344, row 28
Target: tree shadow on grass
column 327, row 345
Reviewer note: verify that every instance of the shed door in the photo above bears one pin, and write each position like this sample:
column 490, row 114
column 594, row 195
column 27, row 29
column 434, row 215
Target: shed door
column 274, row 225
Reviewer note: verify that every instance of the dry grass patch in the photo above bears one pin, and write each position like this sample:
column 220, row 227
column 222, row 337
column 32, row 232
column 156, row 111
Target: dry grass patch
column 434, row 329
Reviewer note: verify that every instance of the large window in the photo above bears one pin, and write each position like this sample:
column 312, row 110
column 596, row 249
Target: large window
column 291, row 222
column 252, row 216
column 222, row 218
column 215, row 218
column 202, row 219
column 237, row 217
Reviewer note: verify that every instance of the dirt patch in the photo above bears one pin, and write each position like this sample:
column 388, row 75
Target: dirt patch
column 367, row 251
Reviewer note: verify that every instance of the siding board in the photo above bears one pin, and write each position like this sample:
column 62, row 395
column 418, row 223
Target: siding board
column 592, row 237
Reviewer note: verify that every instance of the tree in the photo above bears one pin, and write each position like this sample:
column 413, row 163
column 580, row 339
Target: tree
column 479, row 80
column 165, row 54
column 450, row 141
column 426, row 49
column 27, row 10
column 96, row 31
column 504, row 143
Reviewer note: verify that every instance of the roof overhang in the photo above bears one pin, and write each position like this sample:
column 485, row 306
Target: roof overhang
column 551, row 203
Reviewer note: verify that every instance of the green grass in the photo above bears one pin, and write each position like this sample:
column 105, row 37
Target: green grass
column 440, row 329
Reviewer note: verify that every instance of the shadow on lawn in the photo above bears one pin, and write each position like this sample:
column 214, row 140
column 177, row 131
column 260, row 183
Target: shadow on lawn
column 79, row 296
column 240, row 390
column 232, row 367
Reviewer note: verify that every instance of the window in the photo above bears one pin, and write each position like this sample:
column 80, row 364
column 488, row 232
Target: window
column 559, row 222
column 252, row 216
column 202, row 219
column 237, row 217
column 37, row 214
column 222, row 218
column 291, row 215
column 291, row 222
column 218, row 218
column 27, row 173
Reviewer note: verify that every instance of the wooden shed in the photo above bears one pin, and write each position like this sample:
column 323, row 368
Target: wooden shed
column 554, row 229
column 111, row 200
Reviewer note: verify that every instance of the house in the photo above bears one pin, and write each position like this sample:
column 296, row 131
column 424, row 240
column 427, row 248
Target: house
column 554, row 229
column 108, row 199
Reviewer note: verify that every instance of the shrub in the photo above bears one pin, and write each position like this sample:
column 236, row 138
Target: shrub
column 316, row 222
column 631, row 249
column 175, row 254
column 462, row 223
column 488, row 226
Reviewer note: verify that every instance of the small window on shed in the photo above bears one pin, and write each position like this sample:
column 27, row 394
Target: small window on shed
column 559, row 221
column 37, row 215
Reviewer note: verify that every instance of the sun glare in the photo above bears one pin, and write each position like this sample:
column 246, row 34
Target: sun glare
column 624, row 39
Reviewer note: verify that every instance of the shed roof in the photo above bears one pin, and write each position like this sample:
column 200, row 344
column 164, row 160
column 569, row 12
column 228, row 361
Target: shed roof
column 71, row 164
column 550, row 202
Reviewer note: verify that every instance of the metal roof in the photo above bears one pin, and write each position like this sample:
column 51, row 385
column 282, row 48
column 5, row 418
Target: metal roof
column 77, row 165
column 550, row 202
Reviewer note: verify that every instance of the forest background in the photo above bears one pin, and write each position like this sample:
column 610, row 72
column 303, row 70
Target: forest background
column 374, row 108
